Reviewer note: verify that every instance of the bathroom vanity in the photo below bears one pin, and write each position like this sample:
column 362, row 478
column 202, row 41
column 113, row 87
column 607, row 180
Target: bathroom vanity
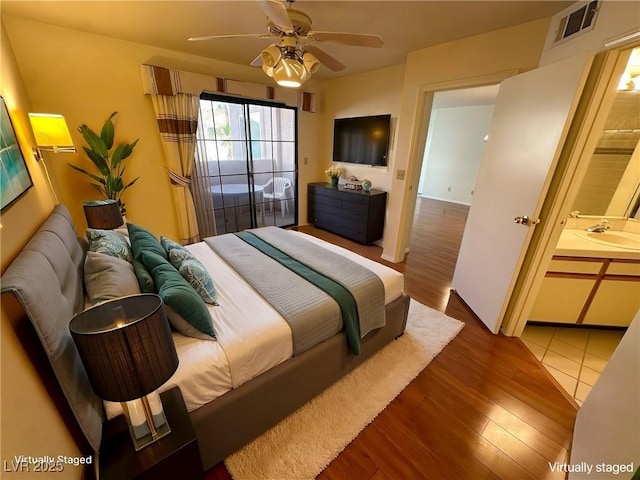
column 593, row 278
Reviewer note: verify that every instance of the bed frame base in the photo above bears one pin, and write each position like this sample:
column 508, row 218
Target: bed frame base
column 226, row 424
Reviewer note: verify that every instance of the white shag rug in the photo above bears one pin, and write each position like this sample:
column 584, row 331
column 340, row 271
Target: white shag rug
column 305, row 442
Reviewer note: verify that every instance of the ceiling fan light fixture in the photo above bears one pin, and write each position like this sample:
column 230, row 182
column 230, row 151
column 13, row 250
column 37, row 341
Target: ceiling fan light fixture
column 267, row 70
column 290, row 73
column 311, row 63
column 271, row 55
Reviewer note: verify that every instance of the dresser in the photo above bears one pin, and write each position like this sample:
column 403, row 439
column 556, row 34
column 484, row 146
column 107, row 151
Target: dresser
column 354, row 214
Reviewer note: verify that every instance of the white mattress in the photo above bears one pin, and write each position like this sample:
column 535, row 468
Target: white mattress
column 251, row 336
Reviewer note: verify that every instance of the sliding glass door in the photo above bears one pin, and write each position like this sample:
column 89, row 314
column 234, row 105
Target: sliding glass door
column 245, row 165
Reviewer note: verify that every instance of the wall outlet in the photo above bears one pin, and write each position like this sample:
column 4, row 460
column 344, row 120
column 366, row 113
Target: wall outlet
column 399, row 174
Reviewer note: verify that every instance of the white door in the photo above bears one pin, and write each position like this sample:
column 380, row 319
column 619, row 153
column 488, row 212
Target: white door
column 532, row 115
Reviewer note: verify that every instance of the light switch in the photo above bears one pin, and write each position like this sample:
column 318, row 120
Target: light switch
column 399, row 174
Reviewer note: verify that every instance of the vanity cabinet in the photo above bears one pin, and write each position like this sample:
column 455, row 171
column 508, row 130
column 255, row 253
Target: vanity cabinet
column 589, row 291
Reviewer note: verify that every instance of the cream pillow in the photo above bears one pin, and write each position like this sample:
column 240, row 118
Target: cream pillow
column 107, row 277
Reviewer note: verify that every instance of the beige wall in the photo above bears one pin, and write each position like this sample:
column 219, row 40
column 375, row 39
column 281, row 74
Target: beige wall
column 373, row 93
column 396, row 90
column 29, row 421
column 86, row 77
column 455, row 63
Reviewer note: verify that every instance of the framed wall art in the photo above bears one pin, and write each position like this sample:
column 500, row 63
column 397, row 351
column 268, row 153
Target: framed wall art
column 14, row 175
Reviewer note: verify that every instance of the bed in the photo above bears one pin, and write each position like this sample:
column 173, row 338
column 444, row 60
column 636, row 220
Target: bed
column 248, row 393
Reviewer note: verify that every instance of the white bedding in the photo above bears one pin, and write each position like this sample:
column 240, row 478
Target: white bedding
column 251, row 336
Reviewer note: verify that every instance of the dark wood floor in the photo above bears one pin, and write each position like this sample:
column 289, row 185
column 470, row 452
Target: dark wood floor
column 483, row 409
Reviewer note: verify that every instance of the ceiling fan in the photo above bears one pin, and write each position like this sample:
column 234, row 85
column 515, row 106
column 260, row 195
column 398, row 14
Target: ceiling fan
column 295, row 57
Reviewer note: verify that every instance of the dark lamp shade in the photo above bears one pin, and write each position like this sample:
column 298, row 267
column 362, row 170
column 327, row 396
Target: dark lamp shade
column 126, row 346
column 103, row 214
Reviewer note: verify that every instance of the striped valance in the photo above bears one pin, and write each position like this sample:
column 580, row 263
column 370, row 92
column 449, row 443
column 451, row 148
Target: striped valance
column 168, row 81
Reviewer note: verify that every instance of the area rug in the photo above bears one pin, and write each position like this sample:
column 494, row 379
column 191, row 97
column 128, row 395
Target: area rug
column 305, row 442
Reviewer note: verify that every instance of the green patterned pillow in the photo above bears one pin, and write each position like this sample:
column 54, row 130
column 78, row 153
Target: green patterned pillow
column 142, row 240
column 175, row 252
column 109, row 243
column 186, row 310
column 196, row 274
column 177, row 256
column 191, row 269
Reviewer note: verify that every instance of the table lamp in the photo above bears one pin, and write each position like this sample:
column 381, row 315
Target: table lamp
column 128, row 352
column 103, row 214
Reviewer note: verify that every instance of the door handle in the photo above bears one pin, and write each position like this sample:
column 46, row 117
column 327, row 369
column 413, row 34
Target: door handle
column 524, row 220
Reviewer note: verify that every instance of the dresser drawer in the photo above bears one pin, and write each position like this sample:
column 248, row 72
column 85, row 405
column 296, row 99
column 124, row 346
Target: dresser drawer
column 353, row 214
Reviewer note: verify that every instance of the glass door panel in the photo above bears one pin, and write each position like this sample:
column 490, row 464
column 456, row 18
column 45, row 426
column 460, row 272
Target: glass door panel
column 245, row 165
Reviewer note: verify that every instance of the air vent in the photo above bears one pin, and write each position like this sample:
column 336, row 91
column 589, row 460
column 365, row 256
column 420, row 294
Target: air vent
column 577, row 22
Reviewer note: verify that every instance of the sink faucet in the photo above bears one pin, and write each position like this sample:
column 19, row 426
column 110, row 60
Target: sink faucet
column 600, row 227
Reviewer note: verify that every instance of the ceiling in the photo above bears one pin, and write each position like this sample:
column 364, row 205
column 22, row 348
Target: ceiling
column 404, row 25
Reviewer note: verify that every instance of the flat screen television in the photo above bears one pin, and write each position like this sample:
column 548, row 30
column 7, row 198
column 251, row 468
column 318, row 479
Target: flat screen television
column 363, row 140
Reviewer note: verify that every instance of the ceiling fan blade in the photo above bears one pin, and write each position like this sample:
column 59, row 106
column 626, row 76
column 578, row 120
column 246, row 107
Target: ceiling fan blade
column 277, row 12
column 355, row 39
column 257, row 62
column 325, row 59
column 240, row 35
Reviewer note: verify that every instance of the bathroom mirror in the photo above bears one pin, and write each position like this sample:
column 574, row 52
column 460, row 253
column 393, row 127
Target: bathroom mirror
column 611, row 186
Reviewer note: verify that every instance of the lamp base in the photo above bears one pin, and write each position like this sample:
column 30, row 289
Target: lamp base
column 146, row 420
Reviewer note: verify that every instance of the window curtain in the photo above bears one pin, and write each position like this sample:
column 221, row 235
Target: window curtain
column 175, row 95
column 177, row 117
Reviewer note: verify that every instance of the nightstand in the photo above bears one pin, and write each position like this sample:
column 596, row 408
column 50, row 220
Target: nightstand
column 175, row 456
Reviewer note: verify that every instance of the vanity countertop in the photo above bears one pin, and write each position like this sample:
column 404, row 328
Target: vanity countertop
column 579, row 243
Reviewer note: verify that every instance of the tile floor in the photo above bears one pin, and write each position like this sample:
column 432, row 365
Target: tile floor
column 574, row 356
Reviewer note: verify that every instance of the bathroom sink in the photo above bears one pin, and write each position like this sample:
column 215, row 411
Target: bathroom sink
column 626, row 240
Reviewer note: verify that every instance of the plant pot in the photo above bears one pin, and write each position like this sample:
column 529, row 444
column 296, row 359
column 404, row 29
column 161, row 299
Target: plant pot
column 334, row 182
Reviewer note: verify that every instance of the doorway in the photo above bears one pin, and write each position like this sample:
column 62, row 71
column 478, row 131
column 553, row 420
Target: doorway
column 245, row 172
column 458, row 127
column 458, row 124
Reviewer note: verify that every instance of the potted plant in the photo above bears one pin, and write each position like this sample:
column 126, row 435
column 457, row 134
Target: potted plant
column 108, row 160
column 334, row 174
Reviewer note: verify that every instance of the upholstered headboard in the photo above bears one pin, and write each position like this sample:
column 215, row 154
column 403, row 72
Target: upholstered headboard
column 47, row 279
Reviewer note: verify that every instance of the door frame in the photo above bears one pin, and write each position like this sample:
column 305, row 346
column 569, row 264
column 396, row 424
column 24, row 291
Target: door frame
column 566, row 180
column 424, row 101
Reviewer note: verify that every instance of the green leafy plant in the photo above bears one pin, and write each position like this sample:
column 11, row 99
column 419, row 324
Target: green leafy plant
column 108, row 160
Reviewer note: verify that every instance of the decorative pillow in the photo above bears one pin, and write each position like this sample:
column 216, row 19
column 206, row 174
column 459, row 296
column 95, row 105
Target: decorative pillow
column 109, row 243
column 194, row 271
column 179, row 255
column 107, row 277
column 170, row 245
column 145, row 280
column 187, row 312
column 196, row 274
column 142, row 240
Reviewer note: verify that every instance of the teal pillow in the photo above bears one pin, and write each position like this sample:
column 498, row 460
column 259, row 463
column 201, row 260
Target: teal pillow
column 176, row 253
column 145, row 280
column 109, row 243
column 142, row 240
column 185, row 309
column 191, row 269
column 177, row 256
column 196, row 274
